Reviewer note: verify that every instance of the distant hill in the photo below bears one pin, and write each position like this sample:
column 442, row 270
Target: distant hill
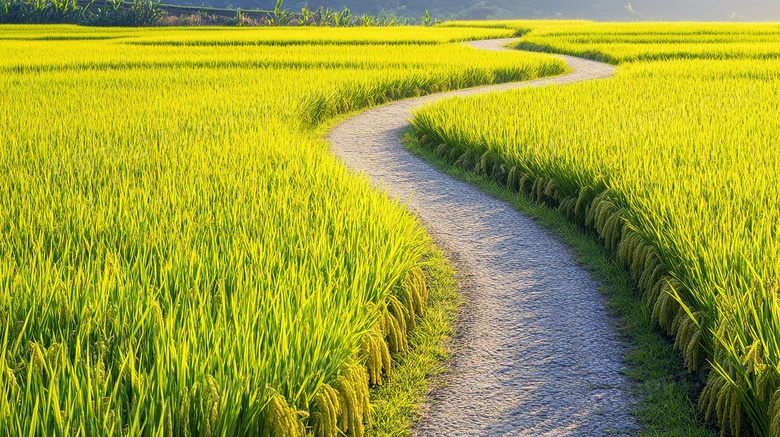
column 672, row 10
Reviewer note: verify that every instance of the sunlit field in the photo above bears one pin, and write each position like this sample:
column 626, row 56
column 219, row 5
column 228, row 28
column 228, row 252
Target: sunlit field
column 179, row 254
column 674, row 164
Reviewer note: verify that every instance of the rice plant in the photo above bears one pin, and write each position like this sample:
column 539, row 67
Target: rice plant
column 179, row 255
column 674, row 165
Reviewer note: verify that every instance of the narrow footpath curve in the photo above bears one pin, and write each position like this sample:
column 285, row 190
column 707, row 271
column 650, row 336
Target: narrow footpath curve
column 540, row 355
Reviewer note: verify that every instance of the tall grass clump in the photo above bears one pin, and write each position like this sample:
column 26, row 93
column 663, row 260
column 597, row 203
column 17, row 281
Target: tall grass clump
column 113, row 13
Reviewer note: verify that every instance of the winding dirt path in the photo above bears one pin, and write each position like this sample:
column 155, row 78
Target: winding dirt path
column 540, row 354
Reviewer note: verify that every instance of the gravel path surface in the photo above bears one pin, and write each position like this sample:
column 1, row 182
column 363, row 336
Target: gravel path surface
column 540, row 354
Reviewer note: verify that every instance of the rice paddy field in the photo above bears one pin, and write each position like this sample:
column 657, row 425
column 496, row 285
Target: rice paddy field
column 179, row 254
column 674, row 164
